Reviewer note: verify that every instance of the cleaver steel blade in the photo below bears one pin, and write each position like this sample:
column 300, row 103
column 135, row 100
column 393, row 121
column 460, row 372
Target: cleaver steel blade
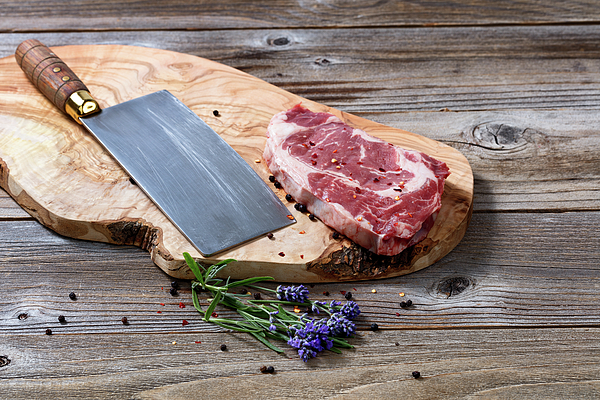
column 195, row 178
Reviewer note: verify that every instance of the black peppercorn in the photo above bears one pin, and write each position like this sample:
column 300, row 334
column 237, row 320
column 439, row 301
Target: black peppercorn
column 270, row 369
column 348, row 295
column 277, row 184
column 311, row 217
column 48, row 331
column 336, row 235
column 72, row 296
column 257, row 296
column 416, row 374
column 406, row 304
column 223, row 347
column 270, row 235
column 289, row 197
column 124, row 320
column 61, row 319
column 216, row 113
column 175, row 285
column 374, row 327
column 173, row 292
column 271, row 178
column 326, row 293
column 300, row 207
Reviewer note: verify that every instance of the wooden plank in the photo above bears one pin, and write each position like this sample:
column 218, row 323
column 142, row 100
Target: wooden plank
column 522, row 160
column 130, row 15
column 395, row 69
column 455, row 364
column 510, row 270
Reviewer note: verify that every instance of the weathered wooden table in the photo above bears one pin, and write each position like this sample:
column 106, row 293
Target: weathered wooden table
column 512, row 312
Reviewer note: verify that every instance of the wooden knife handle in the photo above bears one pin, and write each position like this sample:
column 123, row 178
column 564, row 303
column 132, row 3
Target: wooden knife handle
column 55, row 79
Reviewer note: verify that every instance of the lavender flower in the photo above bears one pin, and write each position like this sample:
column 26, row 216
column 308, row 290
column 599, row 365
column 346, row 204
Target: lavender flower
column 340, row 325
column 310, row 339
column 350, row 310
column 315, row 306
column 297, row 294
column 272, row 327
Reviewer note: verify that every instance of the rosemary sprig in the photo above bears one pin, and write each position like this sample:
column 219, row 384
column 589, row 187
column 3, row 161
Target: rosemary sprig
column 268, row 319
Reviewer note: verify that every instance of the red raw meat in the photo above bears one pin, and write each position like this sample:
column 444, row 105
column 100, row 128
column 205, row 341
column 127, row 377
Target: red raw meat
column 381, row 196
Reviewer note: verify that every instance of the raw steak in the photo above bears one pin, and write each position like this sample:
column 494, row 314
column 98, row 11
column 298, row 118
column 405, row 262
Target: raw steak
column 382, row 197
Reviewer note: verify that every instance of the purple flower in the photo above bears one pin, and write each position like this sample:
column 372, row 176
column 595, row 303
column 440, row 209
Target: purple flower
column 340, row 325
column 310, row 339
column 315, row 306
column 272, row 327
column 350, row 310
column 297, row 294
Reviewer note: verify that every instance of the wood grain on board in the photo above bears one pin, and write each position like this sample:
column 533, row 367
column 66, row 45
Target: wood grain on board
column 62, row 177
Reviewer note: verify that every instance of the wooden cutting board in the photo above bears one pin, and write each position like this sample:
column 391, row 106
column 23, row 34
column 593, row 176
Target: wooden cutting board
column 57, row 172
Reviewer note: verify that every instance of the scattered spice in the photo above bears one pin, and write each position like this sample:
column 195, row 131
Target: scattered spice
column 281, row 254
column 397, row 198
column 159, row 312
column 173, row 342
column 184, row 323
column 125, row 321
column 374, row 327
column 175, row 285
column 162, row 304
column 326, row 293
column 270, row 235
column 348, row 296
column 336, row 235
column 359, row 219
column 312, row 217
column 216, row 113
column 290, row 217
column 257, row 296
column 416, row 374
column 197, row 342
column 173, row 292
column 300, row 207
column 277, row 184
column 406, row 304
column 214, row 315
column 267, row 370
column 181, row 305
column 72, row 296
column 397, row 314
column 48, row 331
column 257, row 161
column 397, row 344
column 302, row 232
column 271, row 178
column 333, row 160
column 401, row 294
column 302, row 256
column 223, row 347
column 289, row 197
column 296, row 309
column 62, row 319
column 373, row 291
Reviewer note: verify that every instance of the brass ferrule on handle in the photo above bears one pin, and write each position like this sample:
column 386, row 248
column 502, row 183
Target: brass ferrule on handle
column 80, row 104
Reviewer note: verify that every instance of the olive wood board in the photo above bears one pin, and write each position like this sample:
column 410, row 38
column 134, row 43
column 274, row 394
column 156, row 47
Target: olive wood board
column 60, row 175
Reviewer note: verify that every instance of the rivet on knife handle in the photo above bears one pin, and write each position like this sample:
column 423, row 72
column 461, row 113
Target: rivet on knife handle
column 55, row 79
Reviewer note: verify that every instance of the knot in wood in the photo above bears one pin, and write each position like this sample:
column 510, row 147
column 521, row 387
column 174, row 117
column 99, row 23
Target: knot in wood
column 499, row 136
column 281, row 41
column 322, row 62
column 454, row 285
column 4, row 361
column 23, row 316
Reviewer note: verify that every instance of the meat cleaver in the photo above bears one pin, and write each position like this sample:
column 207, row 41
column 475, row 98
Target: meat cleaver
column 193, row 176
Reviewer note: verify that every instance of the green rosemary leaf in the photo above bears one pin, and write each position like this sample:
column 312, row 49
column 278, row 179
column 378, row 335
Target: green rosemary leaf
column 194, row 267
column 248, row 281
column 216, row 300
column 195, row 300
column 335, row 350
column 341, row 343
column 264, row 341
column 235, row 326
